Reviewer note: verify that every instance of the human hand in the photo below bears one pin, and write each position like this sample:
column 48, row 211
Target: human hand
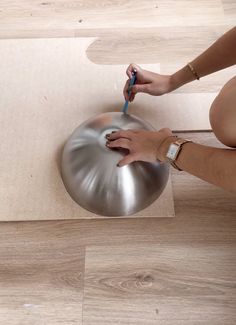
column 142, row 145
column 146, row 82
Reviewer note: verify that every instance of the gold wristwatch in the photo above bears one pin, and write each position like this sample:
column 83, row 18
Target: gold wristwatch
column 174, row 151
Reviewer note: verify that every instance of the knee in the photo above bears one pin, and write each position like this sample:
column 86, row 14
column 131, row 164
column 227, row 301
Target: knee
column 223, row 122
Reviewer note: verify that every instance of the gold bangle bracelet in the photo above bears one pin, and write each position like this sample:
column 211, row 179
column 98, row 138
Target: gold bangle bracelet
column 193, row 71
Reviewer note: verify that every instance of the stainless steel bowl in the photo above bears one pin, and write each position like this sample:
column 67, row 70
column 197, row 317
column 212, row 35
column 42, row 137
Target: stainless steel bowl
column 91, row 175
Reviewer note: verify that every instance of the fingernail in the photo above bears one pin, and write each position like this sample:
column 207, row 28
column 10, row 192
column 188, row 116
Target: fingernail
column 107, row 136
column 113, row 131
column 107, row 143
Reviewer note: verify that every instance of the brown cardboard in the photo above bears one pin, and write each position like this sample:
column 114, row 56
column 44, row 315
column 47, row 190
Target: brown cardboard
column 49, row 87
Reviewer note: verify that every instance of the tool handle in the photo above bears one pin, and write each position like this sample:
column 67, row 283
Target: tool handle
column 132, row 82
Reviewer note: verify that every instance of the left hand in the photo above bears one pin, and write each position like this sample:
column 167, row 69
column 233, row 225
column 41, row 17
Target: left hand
column 142, row 145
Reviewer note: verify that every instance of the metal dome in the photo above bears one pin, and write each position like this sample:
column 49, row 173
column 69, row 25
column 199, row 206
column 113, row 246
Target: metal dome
column 90, row 172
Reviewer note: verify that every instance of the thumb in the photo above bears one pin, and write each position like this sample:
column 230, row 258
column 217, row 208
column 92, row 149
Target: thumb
column 144, row 88
column 127, row 160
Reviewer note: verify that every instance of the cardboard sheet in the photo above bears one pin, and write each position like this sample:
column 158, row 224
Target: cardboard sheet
column 49, row 87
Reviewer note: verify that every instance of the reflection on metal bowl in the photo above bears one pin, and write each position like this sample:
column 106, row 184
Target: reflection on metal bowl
column 91, row 175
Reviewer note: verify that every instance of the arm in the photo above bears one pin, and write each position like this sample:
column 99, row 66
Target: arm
column 220, row 55
column 214, row 165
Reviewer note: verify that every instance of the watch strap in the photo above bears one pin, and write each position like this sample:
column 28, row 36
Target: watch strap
column 173, row 164
column 179, row 142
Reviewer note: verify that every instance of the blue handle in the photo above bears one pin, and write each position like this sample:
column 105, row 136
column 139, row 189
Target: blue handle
column 132, row 82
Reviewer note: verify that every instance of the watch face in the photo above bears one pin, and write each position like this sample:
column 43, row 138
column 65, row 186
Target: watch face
column 172, row 152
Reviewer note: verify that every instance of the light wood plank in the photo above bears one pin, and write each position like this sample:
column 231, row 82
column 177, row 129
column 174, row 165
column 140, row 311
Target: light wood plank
column 41, row 267
column 166, row 45
column 37, row 250
column 40, row 283
column 229, row 7
column 63, row 14
column 180, row 230
column 140, row 284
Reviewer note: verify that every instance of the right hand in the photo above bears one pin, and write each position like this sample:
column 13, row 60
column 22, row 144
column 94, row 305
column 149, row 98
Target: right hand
column 146, row 82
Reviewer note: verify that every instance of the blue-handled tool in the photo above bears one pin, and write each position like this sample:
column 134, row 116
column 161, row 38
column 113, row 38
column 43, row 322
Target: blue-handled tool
column 132, row 82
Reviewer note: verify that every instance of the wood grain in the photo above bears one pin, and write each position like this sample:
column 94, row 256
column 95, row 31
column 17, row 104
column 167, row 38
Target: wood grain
column 40, row 283
column 63, row 14
column 159, row 284
column 135, row 267
column 166, row 45
column 229, row 7
column 183, row 230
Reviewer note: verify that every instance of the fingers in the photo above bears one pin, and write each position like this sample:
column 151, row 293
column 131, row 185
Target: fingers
column 131, row 98
column 132, row 67
column 125, row 91
column 144, row 88
column 138, row 88
column 120, row 143
column 127, row 160
column 120, row 134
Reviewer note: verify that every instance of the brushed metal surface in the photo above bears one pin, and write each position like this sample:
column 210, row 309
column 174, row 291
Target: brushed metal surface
column 92, row 178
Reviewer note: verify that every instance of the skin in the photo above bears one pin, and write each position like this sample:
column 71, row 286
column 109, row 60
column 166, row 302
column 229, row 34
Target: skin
column 214, row 165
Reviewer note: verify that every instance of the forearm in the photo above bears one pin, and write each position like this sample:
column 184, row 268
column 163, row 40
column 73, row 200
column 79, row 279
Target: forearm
column 214, row 165
column 218, row 56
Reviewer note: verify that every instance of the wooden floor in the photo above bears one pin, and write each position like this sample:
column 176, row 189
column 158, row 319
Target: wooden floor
column 167, row 271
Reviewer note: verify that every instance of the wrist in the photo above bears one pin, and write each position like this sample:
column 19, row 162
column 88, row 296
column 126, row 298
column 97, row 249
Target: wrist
column 169, row 84
column 181, row 77
column 164, row 146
